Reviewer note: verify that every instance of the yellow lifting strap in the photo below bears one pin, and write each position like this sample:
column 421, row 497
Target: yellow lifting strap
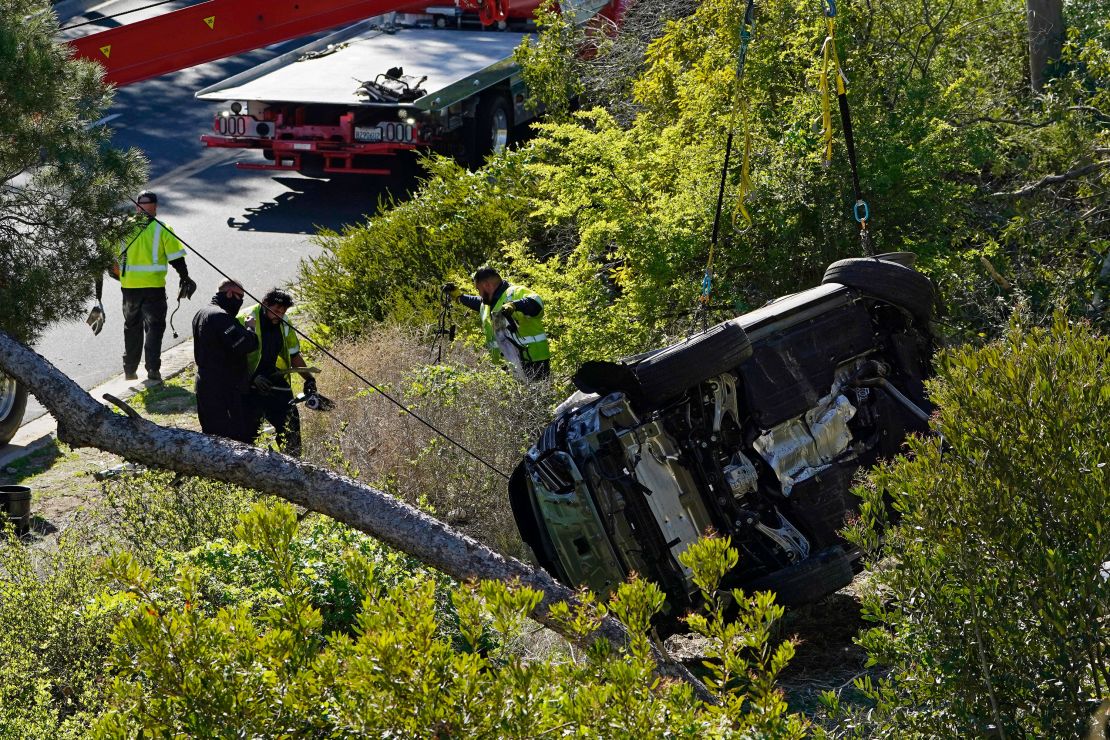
column 745, row 167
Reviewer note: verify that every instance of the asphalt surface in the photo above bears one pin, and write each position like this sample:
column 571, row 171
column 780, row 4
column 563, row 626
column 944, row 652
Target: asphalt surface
column 255, row 226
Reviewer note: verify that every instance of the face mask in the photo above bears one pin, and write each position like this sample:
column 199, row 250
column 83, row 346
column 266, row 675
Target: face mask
column 228, row 304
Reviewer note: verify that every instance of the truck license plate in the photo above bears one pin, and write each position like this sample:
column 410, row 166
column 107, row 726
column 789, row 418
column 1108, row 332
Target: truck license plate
column 368, row 133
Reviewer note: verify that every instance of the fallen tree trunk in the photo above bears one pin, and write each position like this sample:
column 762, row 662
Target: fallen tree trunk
column 84, row 422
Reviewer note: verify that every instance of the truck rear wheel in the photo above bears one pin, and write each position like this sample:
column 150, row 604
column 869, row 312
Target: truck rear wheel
column 13, row 402
column 492, row 129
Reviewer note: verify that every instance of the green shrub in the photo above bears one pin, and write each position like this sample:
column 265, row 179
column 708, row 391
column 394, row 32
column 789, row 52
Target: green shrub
column 394, row 264
column 54, row 637
column 185, row 670
column 157, row 512
column 235, row 573
column 991, row 596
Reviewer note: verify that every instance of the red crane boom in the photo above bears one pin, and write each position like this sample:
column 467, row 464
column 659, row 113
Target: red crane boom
column 221, row 28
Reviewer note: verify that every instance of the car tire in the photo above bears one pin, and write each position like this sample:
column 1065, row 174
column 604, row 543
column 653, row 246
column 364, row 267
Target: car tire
column 810, row 580
column 667, row 373
column 13, row 402
column 887, row 281
column 905, row 259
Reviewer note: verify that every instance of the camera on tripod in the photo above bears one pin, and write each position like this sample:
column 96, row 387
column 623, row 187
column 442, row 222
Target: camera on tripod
column 315, row 401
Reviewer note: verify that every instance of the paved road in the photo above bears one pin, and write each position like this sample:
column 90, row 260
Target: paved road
column 257, row 227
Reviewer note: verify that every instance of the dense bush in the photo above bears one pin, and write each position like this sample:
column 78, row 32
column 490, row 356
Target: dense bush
column 157, row 512
column 54, row 637
column 991, row 594
column 394, row 264
column 478, row 404
column 405, row 672
column 58, row 608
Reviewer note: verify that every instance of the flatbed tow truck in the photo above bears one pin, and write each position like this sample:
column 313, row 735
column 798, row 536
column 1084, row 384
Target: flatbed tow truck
column 353, row 101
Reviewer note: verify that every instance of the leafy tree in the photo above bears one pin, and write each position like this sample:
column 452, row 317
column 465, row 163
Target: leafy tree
column 411, row 669
column 608, row 213
column 60, row 180
column 1046, row 37
column 991, row 591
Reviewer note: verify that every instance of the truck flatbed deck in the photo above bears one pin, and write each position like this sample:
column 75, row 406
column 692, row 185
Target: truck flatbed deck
column 457, row 63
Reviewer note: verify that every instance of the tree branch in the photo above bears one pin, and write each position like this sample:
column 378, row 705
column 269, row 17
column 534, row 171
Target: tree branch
column 84, row 422
column 1047, row 180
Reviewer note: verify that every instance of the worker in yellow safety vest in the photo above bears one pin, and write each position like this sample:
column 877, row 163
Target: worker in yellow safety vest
column 142, row 259
column 270, row 395
column 512, row 319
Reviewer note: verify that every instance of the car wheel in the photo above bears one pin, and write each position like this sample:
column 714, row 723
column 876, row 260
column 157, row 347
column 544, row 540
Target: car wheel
column 810, row 580
column 13, row 402
column 905, row 259
column 886, row 280
column 669, row 372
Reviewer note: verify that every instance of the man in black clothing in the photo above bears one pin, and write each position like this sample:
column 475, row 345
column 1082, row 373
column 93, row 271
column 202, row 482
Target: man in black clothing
column 221, row 346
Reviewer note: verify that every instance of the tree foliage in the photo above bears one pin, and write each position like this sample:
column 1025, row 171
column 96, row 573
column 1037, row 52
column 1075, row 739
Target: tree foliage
column 414, row 668
column 60, row 180
column 609, row 213
column 991, row 593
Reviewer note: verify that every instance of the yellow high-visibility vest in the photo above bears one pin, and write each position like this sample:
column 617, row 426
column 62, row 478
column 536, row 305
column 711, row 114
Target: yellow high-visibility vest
column 149, row 251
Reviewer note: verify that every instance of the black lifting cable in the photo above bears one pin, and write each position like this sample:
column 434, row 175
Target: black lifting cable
column 115, row 15
column 344, row 365
column 746, row 27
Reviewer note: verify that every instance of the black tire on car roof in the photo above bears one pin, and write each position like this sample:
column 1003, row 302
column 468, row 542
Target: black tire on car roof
column 887, row 281
column 652, row 379
column 906, row 259
column 668, row 373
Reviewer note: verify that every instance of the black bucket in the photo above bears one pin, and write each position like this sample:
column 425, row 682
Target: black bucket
column 16, row 500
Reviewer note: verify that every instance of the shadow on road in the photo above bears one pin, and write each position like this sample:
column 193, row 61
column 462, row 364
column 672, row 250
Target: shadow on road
column 309, row 205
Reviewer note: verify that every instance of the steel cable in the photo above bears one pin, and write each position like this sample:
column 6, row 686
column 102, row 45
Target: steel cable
column 115, row 15
column 347, row 367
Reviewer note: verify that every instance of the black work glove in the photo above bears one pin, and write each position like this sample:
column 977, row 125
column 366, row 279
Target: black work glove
column 453, row 291
column 96, row 318
column 508, row 309
column 185, row 288
column 262, row 384
column 310, row 385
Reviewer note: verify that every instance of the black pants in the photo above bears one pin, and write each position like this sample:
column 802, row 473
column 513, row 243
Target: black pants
column 144, row 324
column 220, row 410
column 275, row 408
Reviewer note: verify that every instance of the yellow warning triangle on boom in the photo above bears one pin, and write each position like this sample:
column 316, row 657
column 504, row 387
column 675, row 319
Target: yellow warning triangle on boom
column 211, row 21
column 106, row 51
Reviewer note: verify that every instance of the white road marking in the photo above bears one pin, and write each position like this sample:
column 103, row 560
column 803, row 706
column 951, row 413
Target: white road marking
column 210, row 158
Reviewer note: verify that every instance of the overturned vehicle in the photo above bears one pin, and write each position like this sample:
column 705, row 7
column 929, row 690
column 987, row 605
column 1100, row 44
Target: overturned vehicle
column 753, row 429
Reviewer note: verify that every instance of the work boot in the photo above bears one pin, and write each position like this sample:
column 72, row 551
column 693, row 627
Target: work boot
column 130, row 375
column 154, row 376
